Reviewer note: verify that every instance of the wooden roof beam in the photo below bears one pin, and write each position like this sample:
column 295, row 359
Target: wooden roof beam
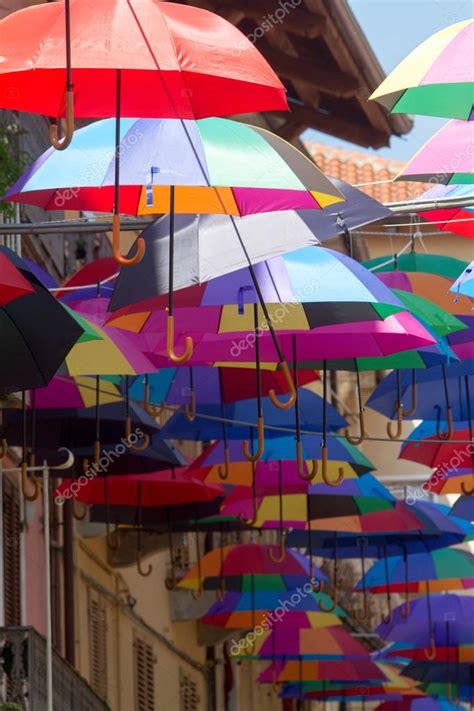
column 337, row 126
column 331, row 81
column 270, row 14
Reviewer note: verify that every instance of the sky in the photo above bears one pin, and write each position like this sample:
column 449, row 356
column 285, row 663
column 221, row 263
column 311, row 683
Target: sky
column 393, row 28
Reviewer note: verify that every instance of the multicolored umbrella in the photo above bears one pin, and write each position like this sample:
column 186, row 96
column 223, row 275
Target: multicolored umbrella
column 464, row 284
column 173, row 71
column 435, row 453
column 457, row 220
column 434, row 160
column 96, row 278
column 446, row 569
column 434, row 79
column 444, row 481
column 36, row 331
column 309, row 670
column 423, row 704
column 237, row 568
column 440, row 265
column 12, row 282
column 74, row 392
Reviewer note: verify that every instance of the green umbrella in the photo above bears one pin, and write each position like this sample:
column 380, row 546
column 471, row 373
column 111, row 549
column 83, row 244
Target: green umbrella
column 448, row 267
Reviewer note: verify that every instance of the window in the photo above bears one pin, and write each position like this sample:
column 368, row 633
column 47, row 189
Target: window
column 11, row 553
column 98, row 643
column 144, row 675
column 188, row 692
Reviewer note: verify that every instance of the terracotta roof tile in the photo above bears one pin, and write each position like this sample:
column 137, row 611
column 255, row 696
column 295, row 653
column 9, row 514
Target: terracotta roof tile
column 357, row 167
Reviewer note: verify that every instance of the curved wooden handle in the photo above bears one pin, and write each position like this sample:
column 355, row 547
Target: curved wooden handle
column 449, row 432
column 128, row 431
column 150, row 409
column 108, row 538
column 190, row 410
column 430, row 652
column 24, row 479
column 414, row 398
column 405, row 608
column 224, row 473
column 357, row 440
column 398, row 432
column 364, row 615
column 261, row 444
column 280, row 557
column 333, row 604
column 61, row 144
column 465, row 490
column 312, row 471
column 144, row 573
column 79, row 510
column 118, row 256
column 220, row 591
column 388, row 617
column 96, row 451
column 324, row 470
column 189, row 347
column 291, row 389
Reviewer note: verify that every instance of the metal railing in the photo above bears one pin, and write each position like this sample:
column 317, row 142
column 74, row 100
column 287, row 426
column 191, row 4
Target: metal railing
column 23, row 675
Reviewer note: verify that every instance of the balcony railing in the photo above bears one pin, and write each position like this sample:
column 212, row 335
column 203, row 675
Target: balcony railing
column 23, row 675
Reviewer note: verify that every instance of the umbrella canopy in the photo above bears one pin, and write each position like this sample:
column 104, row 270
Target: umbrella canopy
column 429, row 286
column 306, row 279
column 12, row 282
column 239, row 567
column 74, row 392
column 307, row 670
column 434, row 161
column 36, row 332
column 435, row 79
column 448, row 267
column 176, row 517
column 163, row 488
column 445, row 481
column 216, row 166
column 434, row 453
column 87, row 282
column 463, row 507
column 446, row 569
column 464, row 284
column 174, row 60
column 424, row 704
column 451, row 619
column 289, row 641
column 432, row 401
column 457, row 220
column 210, row 385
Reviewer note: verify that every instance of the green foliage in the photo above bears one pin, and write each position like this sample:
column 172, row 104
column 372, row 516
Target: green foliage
column 12, row 163
column 10, row 707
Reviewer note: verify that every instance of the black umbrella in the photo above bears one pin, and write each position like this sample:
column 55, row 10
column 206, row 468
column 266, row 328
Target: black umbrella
column 36, row 333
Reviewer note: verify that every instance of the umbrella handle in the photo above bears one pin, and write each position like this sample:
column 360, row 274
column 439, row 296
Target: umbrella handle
column 109, row 535
column 220, row 591
column 276, row 686
column 170, row 580
column 280, row 557
column 388, row 617
column 78, row 513
column 150, row 409
column 291, row 389
column 465, row 490
column 224, row 472
column 197, row 594
column 398, row 432
column 324, row 470
column 414, row 397
column 188, row 351
column 128, row 431
column 190, row 410
column 24, row 478
column 261, row 443
column 357, row 440
column 118, row 256
column 449, row 432
column 364, row 615
column 333, row 604
column 312, row 471
column 144, row 573
column 61, row 144
column 430, row 652
column 3, row 447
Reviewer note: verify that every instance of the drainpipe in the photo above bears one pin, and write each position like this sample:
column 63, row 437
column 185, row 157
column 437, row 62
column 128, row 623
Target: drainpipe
column 68, row 572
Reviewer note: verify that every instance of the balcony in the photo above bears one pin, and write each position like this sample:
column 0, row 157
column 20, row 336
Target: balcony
column 23, row 675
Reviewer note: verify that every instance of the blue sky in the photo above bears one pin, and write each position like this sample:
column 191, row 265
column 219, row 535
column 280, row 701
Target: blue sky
column 394, row 28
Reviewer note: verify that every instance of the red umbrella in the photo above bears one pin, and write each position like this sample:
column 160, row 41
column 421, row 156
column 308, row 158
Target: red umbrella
column 137, row 58
column 12, row 283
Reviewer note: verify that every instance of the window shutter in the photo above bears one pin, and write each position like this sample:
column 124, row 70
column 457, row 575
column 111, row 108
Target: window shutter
column 144, row 675
column 189, row 697
column 98, row 643
column 11, row 553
